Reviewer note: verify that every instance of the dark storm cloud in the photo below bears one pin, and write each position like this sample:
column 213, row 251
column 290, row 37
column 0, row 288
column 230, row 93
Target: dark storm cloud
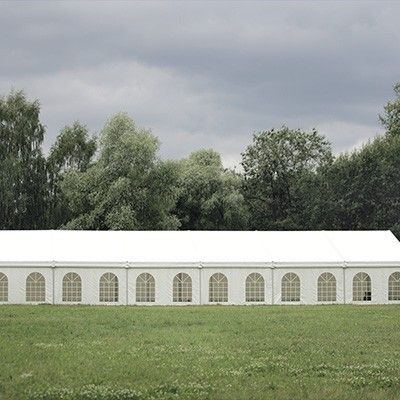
column 205, row 74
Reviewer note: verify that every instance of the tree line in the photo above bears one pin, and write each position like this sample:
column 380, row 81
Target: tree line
column 290, row 179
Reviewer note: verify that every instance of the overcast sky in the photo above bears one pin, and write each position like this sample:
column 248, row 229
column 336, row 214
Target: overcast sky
column 205, row 74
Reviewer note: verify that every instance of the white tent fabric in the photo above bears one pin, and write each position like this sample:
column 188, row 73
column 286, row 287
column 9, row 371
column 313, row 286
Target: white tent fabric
column 306, row 255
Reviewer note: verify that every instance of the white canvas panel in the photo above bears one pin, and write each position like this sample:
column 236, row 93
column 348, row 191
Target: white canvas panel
column 236, row 283
column 379, row 284
column 168, row 248
column 366, row 246
column 91, row 284
column 163, row 285
column 199, row 255
column 17, row 284
column 236, row 277
column 308, row 284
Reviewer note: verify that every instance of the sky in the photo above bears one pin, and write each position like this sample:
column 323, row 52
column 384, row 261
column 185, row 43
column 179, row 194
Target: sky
column 205, row 74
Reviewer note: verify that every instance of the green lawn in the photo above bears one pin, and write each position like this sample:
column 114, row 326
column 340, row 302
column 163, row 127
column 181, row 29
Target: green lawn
column 220, row 352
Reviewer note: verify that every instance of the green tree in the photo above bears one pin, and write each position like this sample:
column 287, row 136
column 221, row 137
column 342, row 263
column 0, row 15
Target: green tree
column 274, row 165
column 73, row 151
column 361, row 190
column 22, row 165
column 209, row 196
column 128, row 187
column 391, row 118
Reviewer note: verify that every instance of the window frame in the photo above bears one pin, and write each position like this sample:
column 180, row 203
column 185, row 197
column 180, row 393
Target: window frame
column 357, row 291
column 147, row 292
column 35, row 288
column 182, row 288
column 394, row 279
column 71, row 290
column 253, row 294
column 291, row 285
column 218, row 289
column 328, row 295
column 4, row 288
column 108, row 288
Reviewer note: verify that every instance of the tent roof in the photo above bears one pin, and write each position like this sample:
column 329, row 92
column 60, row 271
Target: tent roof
column 198, row 246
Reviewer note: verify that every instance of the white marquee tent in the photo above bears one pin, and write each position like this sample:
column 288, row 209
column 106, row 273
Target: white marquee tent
column 187, row 267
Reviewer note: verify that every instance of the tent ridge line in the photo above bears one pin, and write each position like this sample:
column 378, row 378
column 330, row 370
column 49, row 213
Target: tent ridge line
column 333, row 245
column 138, row 265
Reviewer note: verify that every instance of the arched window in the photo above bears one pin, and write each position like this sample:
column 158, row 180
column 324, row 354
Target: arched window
column 394, row 286
column 109, row 288
column 3, row 287
column 255, row 287
column 218, row 288
column 326, row 287
column 145, row 288
column 182, row 288
column 290, row 287
column 35, row 287
column 72, row 287
column 361, row 287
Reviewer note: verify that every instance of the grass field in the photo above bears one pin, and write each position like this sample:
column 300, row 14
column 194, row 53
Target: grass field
column 220, row 352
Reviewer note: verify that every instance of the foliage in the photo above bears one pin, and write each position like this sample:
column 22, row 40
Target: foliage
column 23, row 190
column 361, row 190
column 72, row 151
column 205, row 352
column 391, row 119
column 273, row 165
column 209, row 196
column 290, row 179
column 128, row 187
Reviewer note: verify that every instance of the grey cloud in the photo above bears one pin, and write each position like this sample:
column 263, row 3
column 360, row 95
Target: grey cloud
column 205, row 74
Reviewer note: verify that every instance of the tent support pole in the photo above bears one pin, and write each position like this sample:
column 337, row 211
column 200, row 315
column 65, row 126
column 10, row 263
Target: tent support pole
column 126, row 285
column 53, row 295
column 200, row 266
column 272, row 283
column 344, row 284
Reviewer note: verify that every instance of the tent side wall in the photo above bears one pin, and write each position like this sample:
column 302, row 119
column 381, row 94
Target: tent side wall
column 200, row 283
column 17, row 283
